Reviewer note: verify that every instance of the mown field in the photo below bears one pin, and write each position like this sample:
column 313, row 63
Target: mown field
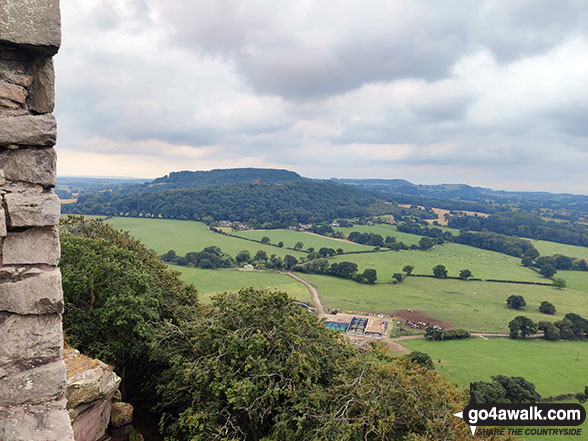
column 184, row 236
column 577, row 280
column 290, row 238
column 482, row 263
column 209, row 282
column 546, row 248
column 554, row 367
column 383, row 230
column 475, row 306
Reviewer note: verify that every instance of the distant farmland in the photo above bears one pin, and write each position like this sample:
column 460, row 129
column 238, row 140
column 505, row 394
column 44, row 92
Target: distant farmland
column 482, row 263
column 475, row 306
column 290, row 238
column 539, row 361
column 210, row 282
column 184, row 236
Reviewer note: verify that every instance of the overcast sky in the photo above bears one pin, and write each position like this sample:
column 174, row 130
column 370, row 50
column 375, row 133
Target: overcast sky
column 489, row 93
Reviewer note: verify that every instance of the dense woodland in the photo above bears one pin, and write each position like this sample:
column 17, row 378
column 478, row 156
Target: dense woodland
column 266, row 206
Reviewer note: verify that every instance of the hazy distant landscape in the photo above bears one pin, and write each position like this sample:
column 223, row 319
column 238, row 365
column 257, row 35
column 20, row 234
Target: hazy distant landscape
column 271, row 228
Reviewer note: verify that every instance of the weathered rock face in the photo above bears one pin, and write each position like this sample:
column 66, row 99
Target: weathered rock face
column 93, row 400
column 32, row 372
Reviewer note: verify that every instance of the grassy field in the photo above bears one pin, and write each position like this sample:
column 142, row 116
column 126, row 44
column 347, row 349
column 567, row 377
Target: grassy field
column 290, row 238
column 210, row 282
column 383, row 230
column 475, row 306
column 482, row 263
column 184, row 236
column 550, row 248
column 577, row 280
column 539, row 361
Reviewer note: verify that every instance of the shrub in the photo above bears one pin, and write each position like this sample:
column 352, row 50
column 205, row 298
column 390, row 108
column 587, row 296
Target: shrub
column 442, row 334
column 440, row 272
column 521, row 327
column 421, row 358
column 550, row 331
column 547, row 308
column 516, row 302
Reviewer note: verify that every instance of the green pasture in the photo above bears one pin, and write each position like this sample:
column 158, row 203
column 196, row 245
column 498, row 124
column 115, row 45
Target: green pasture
column 546, row 248
column 475, row 306
column 184, row 236
column 483, row 264
column 554, row 367
column 577, row 280
column 209, row 282
column 290, row 238
column 383, row 230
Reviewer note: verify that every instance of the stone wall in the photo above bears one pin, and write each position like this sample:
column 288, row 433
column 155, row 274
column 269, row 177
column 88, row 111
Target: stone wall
column 32, row 372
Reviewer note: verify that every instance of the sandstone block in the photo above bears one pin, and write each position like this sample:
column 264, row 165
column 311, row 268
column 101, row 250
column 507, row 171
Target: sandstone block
column 31, row 209
column 2, row 222
column 26, row 339
column 91, row 385
column 13, row 92
column 31, row 23
column 15, row 72
column 35, row 245
column 29, row 165
column 29, row 130
column 90, row 421
column 48, row 422
column 43, row 90
column 121, row 414
column 34, row 295
column 34, row 386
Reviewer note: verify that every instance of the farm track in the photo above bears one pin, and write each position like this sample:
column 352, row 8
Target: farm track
column 318, row 306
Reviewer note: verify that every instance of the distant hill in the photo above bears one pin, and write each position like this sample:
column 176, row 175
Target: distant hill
column 272, row 205
column 225, row 177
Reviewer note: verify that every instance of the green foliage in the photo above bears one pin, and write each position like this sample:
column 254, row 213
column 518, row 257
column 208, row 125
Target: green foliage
column 209, row 258
column 243, row 256
column 550, row 331
column 465, row 274
column 265, row 240
column 559, row 283
column 421, row 358
column 372, row 239
column 254, row 366
column 435, row 334
column 115, row 292
column 426, row 243
column 516, row 302
column 504, row 389
column 408, row 269
column 572, row 327
column 440, row 272
column 547, row 308
column 369, row 276
column 264, row 205
column 512, row 246
column 524, row 224
column 521, row 327
column 547, row 270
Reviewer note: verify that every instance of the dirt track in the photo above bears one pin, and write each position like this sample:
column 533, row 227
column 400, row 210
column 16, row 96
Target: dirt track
column 318, row 306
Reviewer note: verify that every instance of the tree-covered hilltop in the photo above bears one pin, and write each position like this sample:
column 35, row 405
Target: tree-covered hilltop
column 224, row 177
column 279, row 205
